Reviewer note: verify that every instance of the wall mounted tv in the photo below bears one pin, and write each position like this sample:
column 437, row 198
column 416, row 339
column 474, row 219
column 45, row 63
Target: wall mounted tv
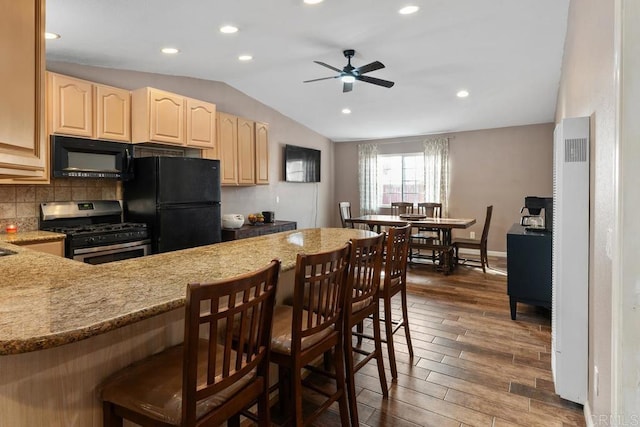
column 301, row 164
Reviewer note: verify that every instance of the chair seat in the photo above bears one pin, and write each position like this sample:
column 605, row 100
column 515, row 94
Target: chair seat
column 355, row 306
column 153, row 387
column 393, row 282
column 281, row 331
column 468, row 243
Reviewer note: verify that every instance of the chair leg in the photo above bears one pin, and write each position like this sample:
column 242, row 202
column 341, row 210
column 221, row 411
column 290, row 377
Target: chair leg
column 284, row 390
column 264, row 417
column 360, row 330
column 388, row 328
column 109, row 417
column 350, row 376
column 296, row 394
column 486, row 257
column 378, row 349
column 234, row 421
column 405, row 320
column 340, row 385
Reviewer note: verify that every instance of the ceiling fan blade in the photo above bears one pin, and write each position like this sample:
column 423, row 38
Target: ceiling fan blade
column 377, row 65
column 347, row 87
column 379, row 82
column 323, row 78
column 328, row 66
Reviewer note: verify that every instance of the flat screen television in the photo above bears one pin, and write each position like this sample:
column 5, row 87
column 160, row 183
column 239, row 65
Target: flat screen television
column 301, row 164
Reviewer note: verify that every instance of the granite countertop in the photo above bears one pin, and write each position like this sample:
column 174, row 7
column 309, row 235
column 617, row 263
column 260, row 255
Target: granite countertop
column 25, row 237
column 47, row 301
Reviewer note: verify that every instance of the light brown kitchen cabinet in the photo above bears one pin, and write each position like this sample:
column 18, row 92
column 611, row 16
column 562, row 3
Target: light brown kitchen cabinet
column 246, row 152
column 70, row 109
column 157, row 116
column 22, row 132
column 262, row 153
column 201, row 124
column 86, row 109
column 228, row 148
column 54, row 247
column 112, row 112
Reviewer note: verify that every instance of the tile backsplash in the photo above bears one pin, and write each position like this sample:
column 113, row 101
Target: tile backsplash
column 20, row 204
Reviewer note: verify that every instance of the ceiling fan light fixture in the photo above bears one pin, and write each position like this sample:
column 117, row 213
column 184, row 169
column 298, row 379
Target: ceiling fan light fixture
column 228, row 29
column 348, row 79
column 462, row 93
column 408, row 10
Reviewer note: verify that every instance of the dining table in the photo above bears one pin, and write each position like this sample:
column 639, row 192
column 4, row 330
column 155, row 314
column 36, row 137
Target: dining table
column 444, row 226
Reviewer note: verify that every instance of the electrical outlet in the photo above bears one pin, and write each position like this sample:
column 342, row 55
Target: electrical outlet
column 472, row 234
column 596, row 381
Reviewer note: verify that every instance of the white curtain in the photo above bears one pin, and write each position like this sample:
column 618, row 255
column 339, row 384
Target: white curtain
column 436, row 172
column 368, row 178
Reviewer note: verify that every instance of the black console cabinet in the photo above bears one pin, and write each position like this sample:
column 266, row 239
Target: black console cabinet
column 528, row 267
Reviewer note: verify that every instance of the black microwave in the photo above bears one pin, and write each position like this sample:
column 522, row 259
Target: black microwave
column 88, row 158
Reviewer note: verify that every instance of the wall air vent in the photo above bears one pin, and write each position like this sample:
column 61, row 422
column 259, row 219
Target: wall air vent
column 575, row 150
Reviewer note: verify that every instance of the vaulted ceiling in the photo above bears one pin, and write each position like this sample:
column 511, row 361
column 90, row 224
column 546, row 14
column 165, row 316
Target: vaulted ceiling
column 507, row 54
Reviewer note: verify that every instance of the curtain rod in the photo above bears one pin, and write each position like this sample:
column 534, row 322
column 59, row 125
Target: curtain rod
column 417, row 139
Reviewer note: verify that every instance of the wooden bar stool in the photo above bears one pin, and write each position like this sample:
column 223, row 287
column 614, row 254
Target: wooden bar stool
column 362, row 301
column 310, row 328
column 394, row 281
column 202, row 382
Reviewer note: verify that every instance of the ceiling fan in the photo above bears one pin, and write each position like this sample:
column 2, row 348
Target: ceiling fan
column 350, row 74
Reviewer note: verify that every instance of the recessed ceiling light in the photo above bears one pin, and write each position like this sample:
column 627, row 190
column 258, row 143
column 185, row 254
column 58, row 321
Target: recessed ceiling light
column 346, row 111
column 408, row 10
column 462, row 93
column 313, row 1
column 228, row 29
column 170, row 50
column 51, row 36
column 245, row 57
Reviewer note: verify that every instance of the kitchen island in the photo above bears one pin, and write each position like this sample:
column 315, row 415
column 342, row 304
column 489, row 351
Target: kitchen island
column 65, row 325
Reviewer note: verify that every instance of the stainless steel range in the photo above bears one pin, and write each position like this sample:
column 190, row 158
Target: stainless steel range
column 94, row 230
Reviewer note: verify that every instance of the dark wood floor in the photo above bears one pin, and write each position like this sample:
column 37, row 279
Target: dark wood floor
column 473, row 365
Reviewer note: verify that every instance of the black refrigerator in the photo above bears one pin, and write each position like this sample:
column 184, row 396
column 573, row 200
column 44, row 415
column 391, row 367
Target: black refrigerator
column 178, row 198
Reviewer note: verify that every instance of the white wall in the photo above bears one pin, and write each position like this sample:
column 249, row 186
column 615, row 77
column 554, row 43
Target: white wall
column 587, row 88
column 309, row 204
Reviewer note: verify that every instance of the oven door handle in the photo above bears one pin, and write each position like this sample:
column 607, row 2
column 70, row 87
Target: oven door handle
column 118, row 247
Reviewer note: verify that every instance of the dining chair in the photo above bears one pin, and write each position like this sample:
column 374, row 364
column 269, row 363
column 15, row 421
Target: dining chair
column 310, row 328
column 361, row 302
column 206, row 380
column 399, row 208
column 345, row 213
column 393, row 281
column 424, row 234
column 480, row 245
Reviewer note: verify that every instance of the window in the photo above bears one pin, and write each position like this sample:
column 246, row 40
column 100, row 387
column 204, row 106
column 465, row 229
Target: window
column 401, row 178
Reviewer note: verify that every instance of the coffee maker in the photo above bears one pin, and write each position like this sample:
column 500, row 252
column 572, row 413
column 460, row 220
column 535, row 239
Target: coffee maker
column 539, row 215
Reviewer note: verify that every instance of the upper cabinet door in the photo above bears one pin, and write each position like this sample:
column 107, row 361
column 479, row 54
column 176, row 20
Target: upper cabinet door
column 113, row 113
column 157, row 116
column 228, row 148
column 262, row 153
column 246, row 152
column 23, row 150
column 71, row 106
column 201, row 124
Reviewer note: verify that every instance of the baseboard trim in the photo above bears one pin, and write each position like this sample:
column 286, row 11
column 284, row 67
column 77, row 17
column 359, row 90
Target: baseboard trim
column 588, row 417
column 490, row 253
